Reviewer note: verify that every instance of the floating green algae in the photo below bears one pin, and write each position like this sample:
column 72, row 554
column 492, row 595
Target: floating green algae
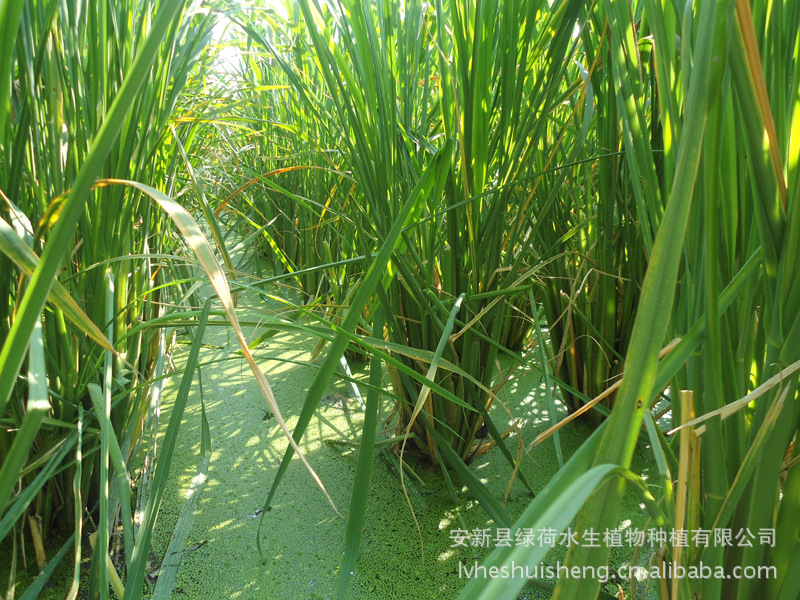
column 301, row 536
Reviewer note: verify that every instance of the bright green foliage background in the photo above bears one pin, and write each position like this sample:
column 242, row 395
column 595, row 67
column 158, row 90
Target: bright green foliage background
column 434, row 187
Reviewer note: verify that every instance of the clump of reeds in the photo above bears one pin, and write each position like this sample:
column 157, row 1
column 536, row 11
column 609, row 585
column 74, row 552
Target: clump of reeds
column 85, row 273
column 629, row 168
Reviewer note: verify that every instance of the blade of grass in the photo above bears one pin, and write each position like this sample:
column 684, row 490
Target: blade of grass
column 555, row 511
column 551, row 403
column 433, row 367
column 138, row 568
column 366, row 455
column 10, row 16
column 78, row 501
column 123, row 482
column 98, row 580
column 168, row 572
column 38, row 406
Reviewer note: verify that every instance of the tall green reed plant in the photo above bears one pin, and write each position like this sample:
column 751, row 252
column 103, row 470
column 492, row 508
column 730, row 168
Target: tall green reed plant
column 589, row 228
column 501, row 98
column 94, row 87
column 393, row 96
column 721, row 275
column 437, row 150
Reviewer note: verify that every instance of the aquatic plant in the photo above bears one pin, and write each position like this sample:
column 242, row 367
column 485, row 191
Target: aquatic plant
column 89, row 90
column 436, row 185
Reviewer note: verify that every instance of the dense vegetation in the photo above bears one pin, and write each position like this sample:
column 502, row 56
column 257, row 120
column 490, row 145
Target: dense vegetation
column 567, row 185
